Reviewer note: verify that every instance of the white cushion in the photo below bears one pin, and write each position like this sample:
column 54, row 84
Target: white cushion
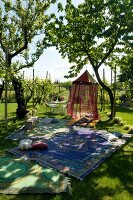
column 109, row 137
column 25, row 144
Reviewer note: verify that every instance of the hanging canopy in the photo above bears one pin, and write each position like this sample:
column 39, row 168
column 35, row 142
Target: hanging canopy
column 82, row 100
column 85, row 78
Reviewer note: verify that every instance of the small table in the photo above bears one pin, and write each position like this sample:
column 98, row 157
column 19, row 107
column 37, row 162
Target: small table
column 58, row 104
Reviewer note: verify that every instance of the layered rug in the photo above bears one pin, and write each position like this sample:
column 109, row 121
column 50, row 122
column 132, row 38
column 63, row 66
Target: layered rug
column 76, row 153
column 18, row 175
column 44, row 128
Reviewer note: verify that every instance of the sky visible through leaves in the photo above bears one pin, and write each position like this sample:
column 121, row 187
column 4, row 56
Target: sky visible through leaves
column 52, row 61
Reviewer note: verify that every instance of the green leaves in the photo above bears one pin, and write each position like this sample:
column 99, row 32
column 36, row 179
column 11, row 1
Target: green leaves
column 8, row 5
column 22, row 25
column 90, row 31
column 60, row 7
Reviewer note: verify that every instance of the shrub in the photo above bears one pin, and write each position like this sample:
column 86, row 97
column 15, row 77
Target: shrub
column 130, row 131
column 10, row 97
column 118, row 120
column 108, row 114
column 126, row 127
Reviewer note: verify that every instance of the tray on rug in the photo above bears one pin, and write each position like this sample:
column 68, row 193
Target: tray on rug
column 21, row 176
column 72, row 153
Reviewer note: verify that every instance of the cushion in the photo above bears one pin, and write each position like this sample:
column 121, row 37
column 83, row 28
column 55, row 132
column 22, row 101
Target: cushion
column 25, row 144
column 117, row 134
column 109, row 137
column 39, row 145
column 81, row 121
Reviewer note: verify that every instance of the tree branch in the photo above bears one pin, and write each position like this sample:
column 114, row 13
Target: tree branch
column 108, row 53
column 26, row 65
column 90, row 58
column 22, row 48
column 2, row 45
column 112, row 48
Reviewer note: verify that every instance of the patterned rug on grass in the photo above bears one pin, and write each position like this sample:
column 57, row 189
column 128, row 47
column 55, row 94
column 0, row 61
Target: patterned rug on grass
column 75, row 153
column 21, row 176
column 41, row 130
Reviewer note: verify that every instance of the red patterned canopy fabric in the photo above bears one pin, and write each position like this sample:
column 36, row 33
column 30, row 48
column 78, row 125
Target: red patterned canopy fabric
column 83, row 95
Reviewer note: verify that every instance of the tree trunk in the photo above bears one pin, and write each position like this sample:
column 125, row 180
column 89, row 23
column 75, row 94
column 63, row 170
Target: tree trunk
column 27, row 99
column 21, row 111
column 1, row 89
column 110, row 93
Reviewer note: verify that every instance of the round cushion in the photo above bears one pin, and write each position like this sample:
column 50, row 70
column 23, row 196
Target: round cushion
column 39, row 145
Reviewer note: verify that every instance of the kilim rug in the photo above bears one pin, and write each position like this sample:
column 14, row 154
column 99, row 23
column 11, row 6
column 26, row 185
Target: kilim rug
column 72, row 153
column 21, row 176
column 41, row 130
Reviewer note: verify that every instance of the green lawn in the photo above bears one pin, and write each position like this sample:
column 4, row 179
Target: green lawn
column 126, row 115
column 112, row 180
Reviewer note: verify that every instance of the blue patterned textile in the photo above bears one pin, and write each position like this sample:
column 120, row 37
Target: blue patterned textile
column 73, row 154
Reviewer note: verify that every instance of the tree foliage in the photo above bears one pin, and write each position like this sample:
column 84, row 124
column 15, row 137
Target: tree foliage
column 91, row 33
column 43, row 88
column 22, row 25
column 126, row 74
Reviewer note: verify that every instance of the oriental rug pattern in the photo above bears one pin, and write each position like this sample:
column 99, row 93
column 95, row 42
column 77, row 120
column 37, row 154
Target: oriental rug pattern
column 72, row 153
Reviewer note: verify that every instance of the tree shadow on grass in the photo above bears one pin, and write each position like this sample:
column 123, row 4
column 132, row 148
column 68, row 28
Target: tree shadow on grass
column 105, row 125
column 124, row 109
column 4, row 144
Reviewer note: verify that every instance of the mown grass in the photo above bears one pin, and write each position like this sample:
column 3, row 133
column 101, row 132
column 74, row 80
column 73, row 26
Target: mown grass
column 126, row 114
column 112, row 180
